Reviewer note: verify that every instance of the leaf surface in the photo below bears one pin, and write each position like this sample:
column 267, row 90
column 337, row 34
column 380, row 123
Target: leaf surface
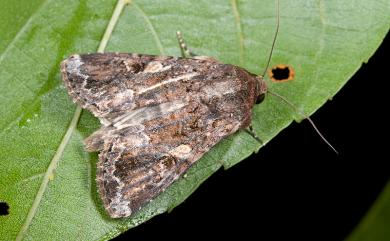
column 324, row 41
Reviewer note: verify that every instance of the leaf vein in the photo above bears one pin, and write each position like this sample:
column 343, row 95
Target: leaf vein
column 49, row 172
column 21, row 31
column 321, row 47
column 240, row 34
column 69, row 132
column 151, row 27
column 31, row 178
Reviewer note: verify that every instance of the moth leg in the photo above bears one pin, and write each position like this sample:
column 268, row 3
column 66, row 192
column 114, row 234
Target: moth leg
column 251, row 132
column 185, row 52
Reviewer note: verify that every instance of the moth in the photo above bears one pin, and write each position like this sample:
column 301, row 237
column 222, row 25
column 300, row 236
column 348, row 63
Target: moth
column 160, row 114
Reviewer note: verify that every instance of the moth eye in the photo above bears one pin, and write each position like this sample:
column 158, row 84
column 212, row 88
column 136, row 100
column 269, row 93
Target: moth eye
column 260, row 98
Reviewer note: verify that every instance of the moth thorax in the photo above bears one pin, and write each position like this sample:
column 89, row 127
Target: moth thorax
column 261, row 89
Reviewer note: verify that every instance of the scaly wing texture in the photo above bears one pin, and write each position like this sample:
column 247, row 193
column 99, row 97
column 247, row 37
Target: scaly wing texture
column 111, row 84
column 160, row 115
column 140, row 161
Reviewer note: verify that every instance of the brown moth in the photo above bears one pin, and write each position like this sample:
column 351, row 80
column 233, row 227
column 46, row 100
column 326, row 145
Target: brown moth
column 160, row 115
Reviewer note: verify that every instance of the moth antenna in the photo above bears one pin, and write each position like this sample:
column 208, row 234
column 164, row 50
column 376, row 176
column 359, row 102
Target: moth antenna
column 304, row 116
column 274, row 40
column 281, row 97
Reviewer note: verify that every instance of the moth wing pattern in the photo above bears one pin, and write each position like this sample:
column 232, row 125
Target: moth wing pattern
column 140, row 161
column 110, row 84
column 160, row 114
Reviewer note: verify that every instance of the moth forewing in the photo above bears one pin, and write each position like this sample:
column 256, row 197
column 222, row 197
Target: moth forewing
column 160, row 115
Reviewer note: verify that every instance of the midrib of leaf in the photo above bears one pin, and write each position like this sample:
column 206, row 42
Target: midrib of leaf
column 49, row 173
column 72, row 126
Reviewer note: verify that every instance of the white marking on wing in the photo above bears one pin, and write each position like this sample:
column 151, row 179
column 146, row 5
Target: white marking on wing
column 181, row 151
column 123, row 97
column 220, row 89
column 141, row 115
column 118, row 203
column 186, row 76
column 73, row 67
column 156, row 66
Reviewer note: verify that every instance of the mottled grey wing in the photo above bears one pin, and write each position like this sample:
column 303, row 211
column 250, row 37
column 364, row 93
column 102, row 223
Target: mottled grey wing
column 160, row 115
column 138, row 162
column 111, row 84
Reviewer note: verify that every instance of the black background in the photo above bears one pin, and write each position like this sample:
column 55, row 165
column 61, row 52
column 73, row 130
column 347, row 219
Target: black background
column 296, row 187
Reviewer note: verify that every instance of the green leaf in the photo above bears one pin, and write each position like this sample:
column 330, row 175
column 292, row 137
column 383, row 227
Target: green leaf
column 324, row 41
column 14, row 15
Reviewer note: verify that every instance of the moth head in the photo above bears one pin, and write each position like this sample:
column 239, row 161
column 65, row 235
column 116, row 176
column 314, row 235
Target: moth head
column 261, row 89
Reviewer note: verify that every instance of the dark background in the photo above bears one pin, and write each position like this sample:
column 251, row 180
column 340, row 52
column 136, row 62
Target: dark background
column 296, row 187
